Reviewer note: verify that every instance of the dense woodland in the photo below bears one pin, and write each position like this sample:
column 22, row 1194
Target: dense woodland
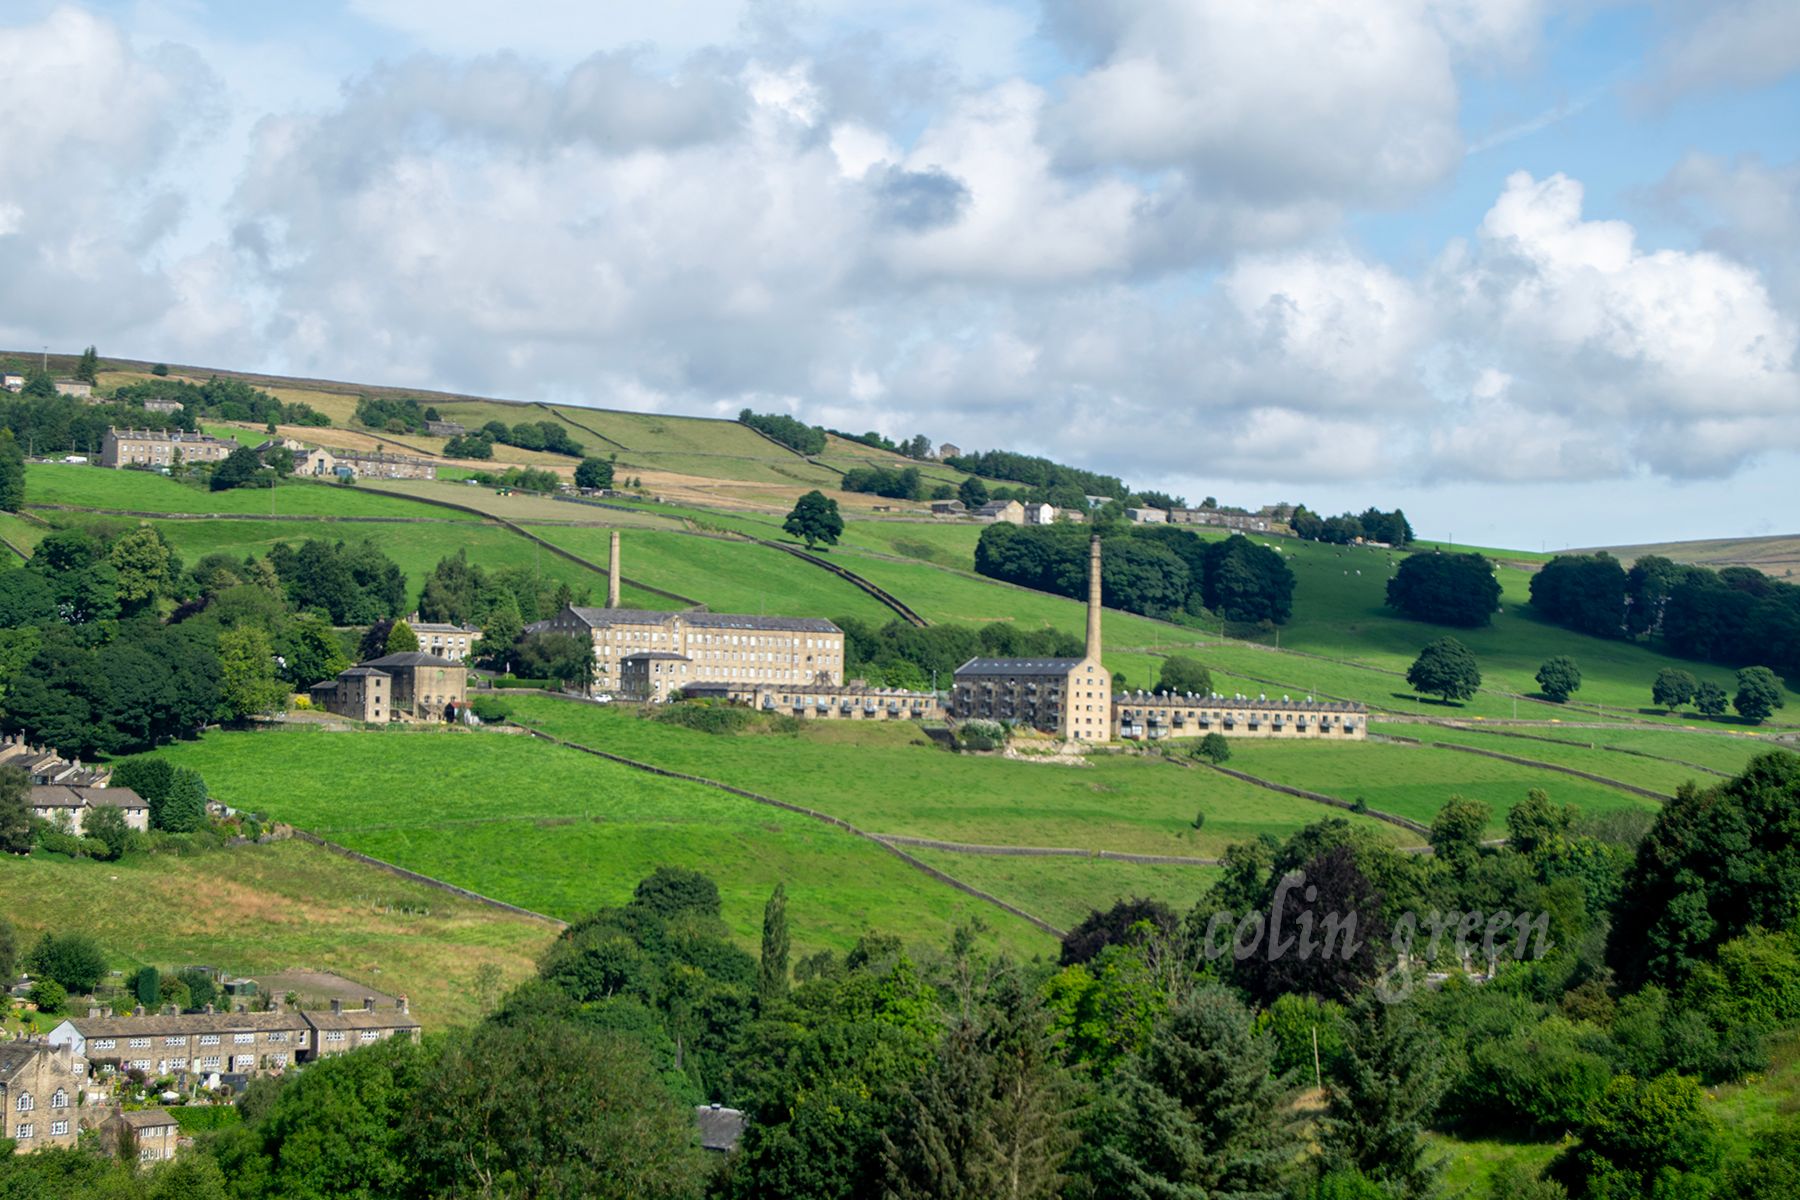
column 1737, row 616
column 1157, row 570
column 1661, row 958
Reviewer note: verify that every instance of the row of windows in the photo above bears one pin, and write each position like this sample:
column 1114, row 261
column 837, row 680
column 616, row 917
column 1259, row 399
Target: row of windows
column 205, row 1039
column 26, row 1102
column 27, row 1130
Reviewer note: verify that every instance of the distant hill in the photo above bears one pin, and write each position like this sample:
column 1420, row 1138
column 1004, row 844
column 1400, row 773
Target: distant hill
column 1778, row 555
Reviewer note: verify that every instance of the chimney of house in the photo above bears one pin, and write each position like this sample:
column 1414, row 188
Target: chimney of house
column 138, row 1011
column 209, row 1010
column 400, row 1003
column 368, row 1004
column 93, row 1011
column 612, row 573
column 337, row 1006
column 1093, row 628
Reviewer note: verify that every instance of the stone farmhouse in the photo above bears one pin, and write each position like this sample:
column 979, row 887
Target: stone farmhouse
column 853, row 701
column 161, row 448
column 411, row 685
column 1147, row 516
column 947, row 450
column 40, row 1086
column 445, row 429
column 948, row 508
column 69, row 807
column 1068, row 697
column 152, row 1130
column 1238, row 522
column 353, row 464
column 81, row 389
column 1010, row 511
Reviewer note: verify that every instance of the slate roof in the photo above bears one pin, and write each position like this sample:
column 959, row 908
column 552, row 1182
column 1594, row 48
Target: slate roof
column 361, row 1018
column 1019, row 666
column 168, row 1025
column 1266, row 704
column 16, row 1055
column 148, row 1118
column 596, row 618
column 409, row 658
column 58, row 795
column 719, row 1128
column 359, row 671
column 656, row 655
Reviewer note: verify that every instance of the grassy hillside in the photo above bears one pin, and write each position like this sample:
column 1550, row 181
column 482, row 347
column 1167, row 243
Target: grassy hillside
column 1777, row 556
column 562, row 832
column 256, row 909
column 143, row 491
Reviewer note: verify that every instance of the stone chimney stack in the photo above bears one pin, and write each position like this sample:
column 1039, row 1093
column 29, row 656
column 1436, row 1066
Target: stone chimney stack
column 1093, row 628
column 337, row 1005
column 612, row 573
column 400, row 1003
column 368, row 1004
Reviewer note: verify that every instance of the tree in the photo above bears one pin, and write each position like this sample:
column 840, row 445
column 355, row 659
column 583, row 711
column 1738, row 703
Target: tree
column 401, row 639
column 1673, row 688
column 1127, row 922
column 247, row 683
column 563, row 657
column 1758, row 694
column 146, row 985
column 1456, row 832
column 504, row 627
column 1559, row 677
column 87, row 368
column 1710, row 699
column 9, row 949
column 71, row 959
column 279, row 459
column 972, row 492
column 185, row 809
column 140, row 561
column 1181, row 674
column 106, row 825
column 1640, row 1137
column 815, row 520
column 240, row 468
column 12, row 473
column 1445, row 589
column 201, row 989
column 160, row 370
column 1200, row 1112
column 772, row 967
column 670, row 890
column 1382, row 1096
column 1214, row 747
column 15, row 811
column 1445, row 668
column 49, row 996
column 594, row 473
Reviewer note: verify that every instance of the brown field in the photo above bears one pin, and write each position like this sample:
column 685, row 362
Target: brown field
column 1778, row 556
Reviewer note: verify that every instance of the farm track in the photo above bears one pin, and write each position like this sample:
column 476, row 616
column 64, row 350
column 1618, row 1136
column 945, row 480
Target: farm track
column 813, row 814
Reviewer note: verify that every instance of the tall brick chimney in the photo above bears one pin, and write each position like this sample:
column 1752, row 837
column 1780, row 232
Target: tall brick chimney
column 612, row 573
column 1093, row 614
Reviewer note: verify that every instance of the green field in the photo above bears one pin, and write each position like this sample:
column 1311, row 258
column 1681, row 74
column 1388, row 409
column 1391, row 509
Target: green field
column 1416, row 781
column 145, row 491
column 289, row 905
column 730, row 576
column 561, row 832
column 888, row 778
column 1064, row 890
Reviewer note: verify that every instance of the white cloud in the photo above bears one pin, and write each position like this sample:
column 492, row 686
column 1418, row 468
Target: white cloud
column 1726, row 44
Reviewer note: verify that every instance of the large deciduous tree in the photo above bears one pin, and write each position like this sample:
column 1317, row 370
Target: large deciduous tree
column 1445, row 668
column 815, row 520
column 1673, row 688
column 1182, row 674
column 1559, row 678
column 247, row 683
column 1445, row 589
column 1758, row 695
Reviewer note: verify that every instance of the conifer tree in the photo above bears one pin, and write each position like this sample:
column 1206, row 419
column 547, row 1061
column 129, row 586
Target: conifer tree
column 772, row 974
column 1381, row 1096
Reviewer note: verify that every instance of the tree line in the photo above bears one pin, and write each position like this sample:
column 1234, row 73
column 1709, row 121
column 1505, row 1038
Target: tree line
column 1158, row 570
column 1659, row 962
column 1736, row 616
column 1372, row 525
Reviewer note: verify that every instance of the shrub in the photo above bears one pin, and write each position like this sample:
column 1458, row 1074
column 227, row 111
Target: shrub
column 981, row 735
column 491, row 709
column 49, row 996
column 1214, row 748
column 706, row 716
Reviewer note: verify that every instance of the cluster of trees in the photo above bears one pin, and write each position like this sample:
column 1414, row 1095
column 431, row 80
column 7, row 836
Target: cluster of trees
column 905, row 656
column 527, row 435
column 794, row 434
column 392, row 414
column 1759, row 693
column 500, row 603
column 1139, row 1064
column 1158, row 570
column 1735, row 616
column 223, row 399
column 1065, row 487
column 1372, row 525
column 918, row 446
column 44, row 422
column 903, row 484
column 1445, row 589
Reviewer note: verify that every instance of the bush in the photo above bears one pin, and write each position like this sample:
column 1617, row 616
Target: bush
column 1215, row 748
column 706, row 716
column 49, row 996
column 71, row 959
column 491, row 709
column 981, row 735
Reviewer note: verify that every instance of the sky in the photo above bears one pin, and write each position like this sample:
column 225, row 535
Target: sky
column 1529, row 270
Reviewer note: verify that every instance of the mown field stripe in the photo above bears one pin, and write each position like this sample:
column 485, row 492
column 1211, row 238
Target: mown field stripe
column 1517, row 760
column 816, row 815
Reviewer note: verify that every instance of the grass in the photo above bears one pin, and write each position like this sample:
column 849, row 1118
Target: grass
column 729, row 576
column 145, row 491
column 517, row 506
column 1064, row 890
column 562, row 832
column 888, row 778
column 1416, row 781
column 256, row 909
column 673, row 435
column 1658, row 775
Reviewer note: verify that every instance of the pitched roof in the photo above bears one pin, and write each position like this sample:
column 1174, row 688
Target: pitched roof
column 409, row 658
column 114, row 797
column 657, row 655
column 720, row 1128
column 55, row 795
column 16, row 1055
column 160, row 1025
column 438, row 627
column 58, row 795
column 148, row 1118
column 362, row 1018
column 356, row 671
column 1019, row 666
column 597, row 618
